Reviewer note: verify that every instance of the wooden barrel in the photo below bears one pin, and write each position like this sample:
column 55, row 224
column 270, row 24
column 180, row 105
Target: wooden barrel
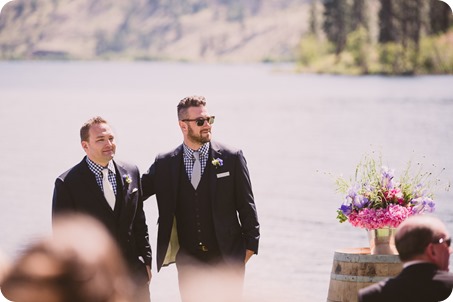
column 356, row 268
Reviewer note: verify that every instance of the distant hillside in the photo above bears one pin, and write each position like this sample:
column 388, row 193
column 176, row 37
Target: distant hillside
column 185, row 30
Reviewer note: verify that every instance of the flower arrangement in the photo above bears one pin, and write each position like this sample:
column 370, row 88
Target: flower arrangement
column 218, row 162
column 374, row 199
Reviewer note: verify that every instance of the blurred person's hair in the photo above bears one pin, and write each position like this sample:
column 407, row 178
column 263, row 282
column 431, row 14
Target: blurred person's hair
column 4, row 264
column 415, row 234
column 80, row 262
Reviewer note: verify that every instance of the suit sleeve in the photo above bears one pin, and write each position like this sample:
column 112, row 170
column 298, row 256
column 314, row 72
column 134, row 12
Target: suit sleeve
column 141, row 228
column 371, row 293
column 148, row 182
column 245, row 204
column 61, row 201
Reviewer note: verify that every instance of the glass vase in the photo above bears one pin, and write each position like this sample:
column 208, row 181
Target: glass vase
column 382, row 241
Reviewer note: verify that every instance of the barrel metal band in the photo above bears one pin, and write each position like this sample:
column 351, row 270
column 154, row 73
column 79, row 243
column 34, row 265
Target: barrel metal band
column 357, row 258
column 361, row 279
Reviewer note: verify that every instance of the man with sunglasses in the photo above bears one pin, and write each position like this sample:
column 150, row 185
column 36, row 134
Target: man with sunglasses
column 423, row 244
column 208, row 222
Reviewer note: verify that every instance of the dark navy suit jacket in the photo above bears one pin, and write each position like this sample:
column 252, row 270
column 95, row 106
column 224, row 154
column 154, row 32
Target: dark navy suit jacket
column 233, row 207
column 421, row 282
column 76, row 190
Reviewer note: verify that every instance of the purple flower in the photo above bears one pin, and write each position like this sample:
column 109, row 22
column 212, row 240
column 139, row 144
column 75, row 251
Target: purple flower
column 387, row 177
column 422, row 204
column 375, row 198
column 346, row 209
column 353, row 191
column 360, row 201
column 218, row 162
column 354, row 198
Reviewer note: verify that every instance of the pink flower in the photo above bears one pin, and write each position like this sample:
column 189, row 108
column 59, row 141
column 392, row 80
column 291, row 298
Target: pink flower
column 391, row 216
column 374, row 199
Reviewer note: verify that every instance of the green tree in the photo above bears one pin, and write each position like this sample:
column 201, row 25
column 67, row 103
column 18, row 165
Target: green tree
column 410, row 21
column 336, row 22
column 314, row 22
column 359, row 46
column 388, row 30
column 440, row 16
column 359, row 16
column 400, row 25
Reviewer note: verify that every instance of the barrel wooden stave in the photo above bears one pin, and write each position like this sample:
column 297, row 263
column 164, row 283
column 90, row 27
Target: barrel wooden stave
column 356, row 268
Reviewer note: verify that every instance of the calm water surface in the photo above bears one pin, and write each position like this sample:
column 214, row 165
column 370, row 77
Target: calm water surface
column 297, row 132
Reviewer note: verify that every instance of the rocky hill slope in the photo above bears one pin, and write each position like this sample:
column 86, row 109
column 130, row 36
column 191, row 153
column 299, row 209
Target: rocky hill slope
column 183, row 30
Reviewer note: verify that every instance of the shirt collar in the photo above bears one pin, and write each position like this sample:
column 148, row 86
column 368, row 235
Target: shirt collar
column 409, row 263
column 204, row 149
column 97, row 169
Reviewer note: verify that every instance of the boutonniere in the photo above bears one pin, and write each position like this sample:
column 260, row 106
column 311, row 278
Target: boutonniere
column 127, row 178
column 217, row 162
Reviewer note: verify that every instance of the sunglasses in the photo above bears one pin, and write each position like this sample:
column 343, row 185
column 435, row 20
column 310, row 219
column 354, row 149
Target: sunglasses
column 447, row 241
column 200, row 121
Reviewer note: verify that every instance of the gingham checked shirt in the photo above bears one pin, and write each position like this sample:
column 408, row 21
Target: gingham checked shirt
column 189, row 159
column 97, row 171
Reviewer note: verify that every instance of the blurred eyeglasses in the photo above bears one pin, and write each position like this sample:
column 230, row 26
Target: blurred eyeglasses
column 447, row 241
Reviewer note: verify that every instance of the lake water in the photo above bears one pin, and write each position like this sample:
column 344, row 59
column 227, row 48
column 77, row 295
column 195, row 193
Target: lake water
column 298, row 132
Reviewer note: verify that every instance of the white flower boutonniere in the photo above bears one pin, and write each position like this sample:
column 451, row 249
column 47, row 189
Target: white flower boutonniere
column 217, row 162
column 127, row 179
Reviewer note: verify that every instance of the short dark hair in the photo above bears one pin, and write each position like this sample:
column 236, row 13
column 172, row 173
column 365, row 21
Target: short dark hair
column 190, row 101
column 414, row 241
column 416, row 233
column 85, row 130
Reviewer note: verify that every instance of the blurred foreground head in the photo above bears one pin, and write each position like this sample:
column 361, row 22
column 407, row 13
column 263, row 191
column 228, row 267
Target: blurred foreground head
column 80, row 262
column 424, row 238
column 4, row 264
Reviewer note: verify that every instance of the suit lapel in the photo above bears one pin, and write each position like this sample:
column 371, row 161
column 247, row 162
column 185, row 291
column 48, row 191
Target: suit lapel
column 122, row 172
column 215, row 153
column 175, row 166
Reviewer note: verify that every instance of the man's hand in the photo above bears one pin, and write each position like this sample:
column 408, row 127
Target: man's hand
column 248, row 255
column 150, row 275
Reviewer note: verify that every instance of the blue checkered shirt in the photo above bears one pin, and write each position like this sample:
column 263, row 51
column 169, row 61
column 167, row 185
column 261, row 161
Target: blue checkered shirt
column 97, row 171
column 189, row 159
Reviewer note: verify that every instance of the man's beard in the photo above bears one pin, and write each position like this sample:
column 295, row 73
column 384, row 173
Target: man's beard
column 198, row 138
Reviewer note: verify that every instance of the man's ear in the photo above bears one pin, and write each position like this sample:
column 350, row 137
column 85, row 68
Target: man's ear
column 84, row 145
column 183, row 126
column 430, row 251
